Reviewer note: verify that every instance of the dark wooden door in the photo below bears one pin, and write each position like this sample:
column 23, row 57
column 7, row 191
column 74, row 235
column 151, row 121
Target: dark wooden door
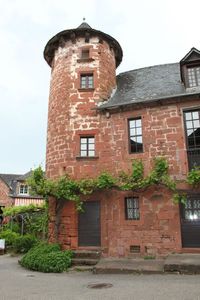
column 89, row 224
column 190, row 222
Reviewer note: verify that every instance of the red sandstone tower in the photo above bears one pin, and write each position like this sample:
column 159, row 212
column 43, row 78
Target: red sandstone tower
column 83, row 62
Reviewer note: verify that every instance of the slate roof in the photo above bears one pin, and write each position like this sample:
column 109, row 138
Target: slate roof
column 148, row 84
column 82, row 30
column 25, row 176
column 84, row 25
column 10, row 180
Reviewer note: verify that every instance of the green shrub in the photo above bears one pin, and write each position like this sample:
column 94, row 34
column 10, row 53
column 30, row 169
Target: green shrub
column 9, row 236
column 47, row 258
column 24, row 243
column 12, row 226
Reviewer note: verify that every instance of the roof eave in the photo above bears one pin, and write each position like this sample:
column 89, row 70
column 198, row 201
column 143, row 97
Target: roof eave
column 142, row 103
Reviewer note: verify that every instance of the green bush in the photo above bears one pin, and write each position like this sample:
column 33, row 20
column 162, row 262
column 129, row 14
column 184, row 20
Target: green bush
column 9, row 236
column 13, row 227
column 24, row 243
column 47, row 258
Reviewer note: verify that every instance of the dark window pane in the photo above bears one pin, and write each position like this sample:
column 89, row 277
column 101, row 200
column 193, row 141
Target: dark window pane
column 85, row 54
column 191, row 143
column 189, row 132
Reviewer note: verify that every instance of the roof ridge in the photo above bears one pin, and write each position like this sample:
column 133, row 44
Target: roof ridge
column 143, row 68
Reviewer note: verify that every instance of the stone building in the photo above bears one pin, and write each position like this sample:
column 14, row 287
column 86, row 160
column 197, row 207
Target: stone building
column 98, row 122
column 14, row 191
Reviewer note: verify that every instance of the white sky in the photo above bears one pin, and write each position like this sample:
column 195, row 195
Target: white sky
column 150, row 32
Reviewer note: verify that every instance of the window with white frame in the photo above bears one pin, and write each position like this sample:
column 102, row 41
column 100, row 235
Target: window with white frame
column 23, row 189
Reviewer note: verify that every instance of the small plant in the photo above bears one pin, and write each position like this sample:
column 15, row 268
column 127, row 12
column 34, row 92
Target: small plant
column 137, row 170
column 47, row 258
column 24, row 243
column 146, row 257
column 193, row 177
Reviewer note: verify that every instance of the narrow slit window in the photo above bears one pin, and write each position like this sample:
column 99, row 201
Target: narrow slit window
column 135, row 135
column 192, row 128
column 85, row 53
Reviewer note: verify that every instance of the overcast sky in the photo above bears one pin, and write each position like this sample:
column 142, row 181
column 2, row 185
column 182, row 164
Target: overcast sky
column 150, row 32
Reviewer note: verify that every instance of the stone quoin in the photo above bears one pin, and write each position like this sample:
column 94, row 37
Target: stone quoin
column 98, row 121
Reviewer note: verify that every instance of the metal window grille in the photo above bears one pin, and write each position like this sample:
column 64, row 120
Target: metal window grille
column 132, row 208
column 191, row 209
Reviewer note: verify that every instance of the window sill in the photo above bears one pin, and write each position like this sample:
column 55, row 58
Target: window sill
column 86, row 90
column 87, row 157
column 85, row 60
column 139, row 152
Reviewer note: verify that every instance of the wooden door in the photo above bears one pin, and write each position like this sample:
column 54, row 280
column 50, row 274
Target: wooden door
column 89, row 224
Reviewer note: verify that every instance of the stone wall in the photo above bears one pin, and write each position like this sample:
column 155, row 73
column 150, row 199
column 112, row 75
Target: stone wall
column 157, row 232
column 5, row 200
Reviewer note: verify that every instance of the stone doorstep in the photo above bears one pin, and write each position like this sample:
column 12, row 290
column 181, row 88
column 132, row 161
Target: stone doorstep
column 84, row 261
column 128, row 266
column 175, row 263
column 183, row 263
column 93, row 254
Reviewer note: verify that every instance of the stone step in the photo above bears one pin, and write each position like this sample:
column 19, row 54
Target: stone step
column 83, row 268
column 84, row 261
column 87, row 254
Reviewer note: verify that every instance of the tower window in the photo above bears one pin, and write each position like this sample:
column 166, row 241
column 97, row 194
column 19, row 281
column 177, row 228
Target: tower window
column 87, row 81
column 85, row 53
column 135, row 135
column 87, row 146
column 193, row 74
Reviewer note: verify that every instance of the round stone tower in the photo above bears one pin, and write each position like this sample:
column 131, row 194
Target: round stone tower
column 83, row 63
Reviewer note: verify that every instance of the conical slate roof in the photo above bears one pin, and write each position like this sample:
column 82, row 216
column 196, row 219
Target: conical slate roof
column 84, row 25
column 83, row 30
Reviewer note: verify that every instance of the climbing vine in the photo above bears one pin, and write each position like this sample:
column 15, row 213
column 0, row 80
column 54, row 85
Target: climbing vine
column 66, row 188
column 193, row 177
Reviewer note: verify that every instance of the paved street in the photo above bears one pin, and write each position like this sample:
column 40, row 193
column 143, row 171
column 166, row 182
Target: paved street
column 17, row 283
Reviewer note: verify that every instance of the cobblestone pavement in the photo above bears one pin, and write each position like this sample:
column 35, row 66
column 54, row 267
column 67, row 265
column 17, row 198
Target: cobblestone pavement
column 19, row 284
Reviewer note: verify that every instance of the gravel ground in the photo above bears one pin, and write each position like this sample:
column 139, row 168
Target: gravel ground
column 20, row 284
